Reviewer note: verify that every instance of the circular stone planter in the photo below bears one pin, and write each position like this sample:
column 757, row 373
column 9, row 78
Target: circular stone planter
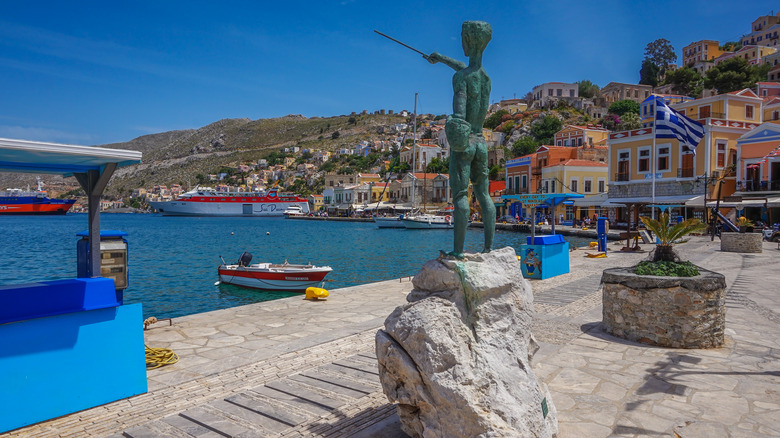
column 677, row 312
column 741, row 242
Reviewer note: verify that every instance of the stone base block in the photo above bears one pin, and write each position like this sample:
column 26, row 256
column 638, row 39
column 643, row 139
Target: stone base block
column 741, row 242
column 677, row 312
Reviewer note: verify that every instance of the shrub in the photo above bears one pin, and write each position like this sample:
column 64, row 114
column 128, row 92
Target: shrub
column 506, row 127
column 667, row 269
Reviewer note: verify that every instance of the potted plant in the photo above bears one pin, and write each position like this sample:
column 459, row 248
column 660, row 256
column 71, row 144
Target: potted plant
column 663, row 301
column 745, row 241
column 668, row 234
column 745, row 225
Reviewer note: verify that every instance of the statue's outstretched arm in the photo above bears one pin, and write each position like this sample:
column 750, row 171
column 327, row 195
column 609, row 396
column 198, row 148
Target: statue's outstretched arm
column 435, row 57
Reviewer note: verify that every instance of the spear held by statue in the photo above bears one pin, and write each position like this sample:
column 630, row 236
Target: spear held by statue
column 405, row 45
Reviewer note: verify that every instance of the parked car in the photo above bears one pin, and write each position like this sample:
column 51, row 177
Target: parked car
column 507, row 219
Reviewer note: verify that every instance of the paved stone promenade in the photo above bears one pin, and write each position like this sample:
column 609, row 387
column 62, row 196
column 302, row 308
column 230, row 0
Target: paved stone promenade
column 294, row 368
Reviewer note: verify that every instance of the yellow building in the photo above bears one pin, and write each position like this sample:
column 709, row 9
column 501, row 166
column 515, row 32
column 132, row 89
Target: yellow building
column 771, row 110
column 574, row 135
column 380, row 192
column 367, row 178
column 316, row 202
column 513, row 106
column 583, row 177
column 675, row 175
column 752, row 54
column 704, row 50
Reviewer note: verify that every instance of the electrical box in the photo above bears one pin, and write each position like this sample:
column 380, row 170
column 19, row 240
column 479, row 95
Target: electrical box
column 113, row 257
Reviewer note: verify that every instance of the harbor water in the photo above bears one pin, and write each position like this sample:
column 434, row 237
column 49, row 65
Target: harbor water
column 173, row 260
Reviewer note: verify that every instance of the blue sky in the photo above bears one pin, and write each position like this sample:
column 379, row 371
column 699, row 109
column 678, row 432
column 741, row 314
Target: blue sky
column 96, row 72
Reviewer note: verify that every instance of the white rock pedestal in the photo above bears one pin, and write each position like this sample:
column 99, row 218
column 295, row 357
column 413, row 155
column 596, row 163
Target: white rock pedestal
column 457, row 358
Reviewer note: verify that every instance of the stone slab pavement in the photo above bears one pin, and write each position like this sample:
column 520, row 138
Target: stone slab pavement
column 294, row 368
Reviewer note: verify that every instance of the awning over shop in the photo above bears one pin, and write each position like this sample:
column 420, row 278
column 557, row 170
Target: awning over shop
column 697, row 201
column 550, row 199
column 591, row 201
column 676, row 199
column 756, row 203
column 388, row 206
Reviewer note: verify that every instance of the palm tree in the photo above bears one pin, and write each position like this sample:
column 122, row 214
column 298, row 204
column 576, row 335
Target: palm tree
column 668, row 234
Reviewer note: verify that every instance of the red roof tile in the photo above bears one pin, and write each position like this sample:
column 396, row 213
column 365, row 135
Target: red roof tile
column 426, row 175
column 496, row 186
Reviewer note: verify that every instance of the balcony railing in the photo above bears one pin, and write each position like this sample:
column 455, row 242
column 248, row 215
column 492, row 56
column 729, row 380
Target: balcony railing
column 621, row 177
column 685, row 173
column 711, row 115
column 758, row 186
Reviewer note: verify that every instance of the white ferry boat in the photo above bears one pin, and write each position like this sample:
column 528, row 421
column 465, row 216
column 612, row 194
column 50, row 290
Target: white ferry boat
column 205, row 201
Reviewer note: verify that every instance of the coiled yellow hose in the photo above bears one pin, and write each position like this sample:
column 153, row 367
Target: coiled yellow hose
column 157, row 357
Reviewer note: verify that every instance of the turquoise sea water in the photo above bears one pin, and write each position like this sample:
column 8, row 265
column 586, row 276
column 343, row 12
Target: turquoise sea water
column 173, row 260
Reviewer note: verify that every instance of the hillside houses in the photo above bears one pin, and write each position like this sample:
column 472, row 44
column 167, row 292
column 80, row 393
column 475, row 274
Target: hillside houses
column 619, row 171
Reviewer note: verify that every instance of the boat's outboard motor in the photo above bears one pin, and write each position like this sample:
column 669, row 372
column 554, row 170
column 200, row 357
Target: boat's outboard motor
column 245, row 259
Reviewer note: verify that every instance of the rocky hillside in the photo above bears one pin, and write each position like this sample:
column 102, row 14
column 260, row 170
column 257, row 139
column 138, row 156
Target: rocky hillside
column 177, row 156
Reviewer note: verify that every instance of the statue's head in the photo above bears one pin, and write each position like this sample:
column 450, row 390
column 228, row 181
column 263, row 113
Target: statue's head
column 476, row 36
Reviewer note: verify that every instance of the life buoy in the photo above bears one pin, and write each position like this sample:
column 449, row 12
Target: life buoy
column 448, row 218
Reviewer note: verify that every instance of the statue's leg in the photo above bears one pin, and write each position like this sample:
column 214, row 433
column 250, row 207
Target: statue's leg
column 479, row 179
column 459, row 184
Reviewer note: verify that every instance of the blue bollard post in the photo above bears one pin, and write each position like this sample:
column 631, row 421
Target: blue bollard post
column 602, row 227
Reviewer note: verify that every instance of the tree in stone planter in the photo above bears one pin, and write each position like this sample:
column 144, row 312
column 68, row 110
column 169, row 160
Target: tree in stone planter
column 667, row 234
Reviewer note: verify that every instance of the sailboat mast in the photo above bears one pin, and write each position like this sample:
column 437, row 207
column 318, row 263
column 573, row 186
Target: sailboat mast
column 414, row 151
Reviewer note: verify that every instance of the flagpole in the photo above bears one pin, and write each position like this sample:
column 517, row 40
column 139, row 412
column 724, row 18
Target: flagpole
column 652, row 157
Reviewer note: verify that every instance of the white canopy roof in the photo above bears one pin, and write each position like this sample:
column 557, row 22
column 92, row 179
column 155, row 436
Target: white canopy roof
column 62, row 159
column 672, row 199
column 768, row 202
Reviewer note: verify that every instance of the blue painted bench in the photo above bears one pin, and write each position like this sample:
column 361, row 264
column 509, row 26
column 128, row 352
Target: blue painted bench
column 66, row 346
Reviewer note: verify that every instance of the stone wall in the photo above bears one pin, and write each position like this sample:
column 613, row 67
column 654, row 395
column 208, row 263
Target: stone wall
column 741, row 242
column 677, row 312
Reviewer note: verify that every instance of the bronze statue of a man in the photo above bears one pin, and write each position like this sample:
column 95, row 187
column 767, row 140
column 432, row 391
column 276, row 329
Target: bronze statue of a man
column 468, row 150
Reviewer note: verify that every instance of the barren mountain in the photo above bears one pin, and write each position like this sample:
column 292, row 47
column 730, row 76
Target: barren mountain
column 177, row 156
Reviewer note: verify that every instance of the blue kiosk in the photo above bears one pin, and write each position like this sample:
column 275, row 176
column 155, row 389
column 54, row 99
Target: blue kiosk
column 69, row 345
column 544, row 256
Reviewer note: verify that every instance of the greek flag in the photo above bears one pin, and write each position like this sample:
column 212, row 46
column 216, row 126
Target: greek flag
column 671, row 124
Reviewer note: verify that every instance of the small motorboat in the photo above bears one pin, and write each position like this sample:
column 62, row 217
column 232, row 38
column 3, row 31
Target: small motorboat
column 293, row 210
column 269, row 276
column 428, row 221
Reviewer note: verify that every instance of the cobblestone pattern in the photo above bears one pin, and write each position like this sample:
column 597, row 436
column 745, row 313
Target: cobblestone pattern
column 602, row 386
column 737, row 295
column 606, row 387
column 138, row 410
column 741, row 242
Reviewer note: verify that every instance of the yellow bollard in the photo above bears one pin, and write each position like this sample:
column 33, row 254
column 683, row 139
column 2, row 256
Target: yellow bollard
column 315, row 293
